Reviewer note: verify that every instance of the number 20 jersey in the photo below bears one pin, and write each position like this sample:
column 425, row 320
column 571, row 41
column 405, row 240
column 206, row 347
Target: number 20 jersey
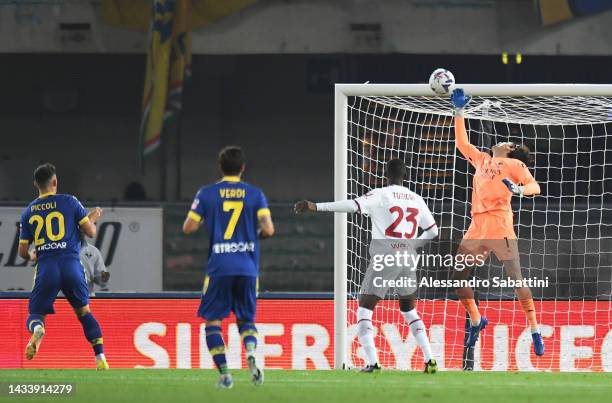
column 52, row 223
column 230, row 210
column 396, row 212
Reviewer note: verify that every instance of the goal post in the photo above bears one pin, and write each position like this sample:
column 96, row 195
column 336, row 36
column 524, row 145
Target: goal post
column 375, row 122
column 340, row 234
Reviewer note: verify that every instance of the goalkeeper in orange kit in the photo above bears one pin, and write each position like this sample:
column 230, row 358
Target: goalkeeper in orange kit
column 497, row 178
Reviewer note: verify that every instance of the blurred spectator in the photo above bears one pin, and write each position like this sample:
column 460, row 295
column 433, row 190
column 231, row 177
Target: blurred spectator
column 95, row 269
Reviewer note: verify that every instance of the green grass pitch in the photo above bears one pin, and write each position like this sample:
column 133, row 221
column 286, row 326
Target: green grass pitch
column 146, row 385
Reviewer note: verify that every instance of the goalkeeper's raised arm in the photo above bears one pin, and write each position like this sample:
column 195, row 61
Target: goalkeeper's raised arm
column 517, row 178
column 471, row 153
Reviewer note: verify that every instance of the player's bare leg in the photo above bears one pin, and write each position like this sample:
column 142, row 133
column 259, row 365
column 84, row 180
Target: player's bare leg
column 248, row 334
column 36, row 326
column 417, row 328
column 513, row 271
column 365, row 331
column 92, row 332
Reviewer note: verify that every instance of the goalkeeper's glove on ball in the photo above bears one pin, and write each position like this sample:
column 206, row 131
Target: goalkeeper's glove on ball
column 459, row 100
column 514, row 188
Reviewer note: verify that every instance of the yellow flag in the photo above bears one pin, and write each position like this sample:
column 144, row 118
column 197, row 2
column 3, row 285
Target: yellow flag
column 168, row 55
column 156, row 75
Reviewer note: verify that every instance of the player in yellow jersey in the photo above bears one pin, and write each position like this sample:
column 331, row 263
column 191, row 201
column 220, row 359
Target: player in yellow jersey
column 498, row 177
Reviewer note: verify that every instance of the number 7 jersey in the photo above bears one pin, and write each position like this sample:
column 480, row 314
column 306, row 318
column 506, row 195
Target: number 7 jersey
column 52, row 223
column 230, row 210
column 396, row 212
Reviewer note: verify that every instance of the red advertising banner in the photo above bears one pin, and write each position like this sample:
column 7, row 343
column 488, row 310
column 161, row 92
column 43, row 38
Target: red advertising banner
column 298, row 334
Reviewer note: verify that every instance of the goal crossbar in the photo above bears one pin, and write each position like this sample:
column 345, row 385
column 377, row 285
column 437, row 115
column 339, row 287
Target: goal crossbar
column 500, row 90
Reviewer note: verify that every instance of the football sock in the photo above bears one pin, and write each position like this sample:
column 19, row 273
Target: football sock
column 366, row 334
column 92, row 331
column 470, row 306
column 248, row 333
column 216, row 346
column 34, row 321
column 529, row 309
column 417, row 328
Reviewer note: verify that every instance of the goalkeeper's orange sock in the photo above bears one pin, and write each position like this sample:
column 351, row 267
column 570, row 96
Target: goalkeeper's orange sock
column 472, row 309
column 529, row 309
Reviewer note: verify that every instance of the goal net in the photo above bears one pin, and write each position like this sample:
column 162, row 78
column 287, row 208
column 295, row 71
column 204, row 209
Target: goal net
column 565, row 234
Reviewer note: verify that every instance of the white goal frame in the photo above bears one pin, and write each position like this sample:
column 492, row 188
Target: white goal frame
column 342, row 92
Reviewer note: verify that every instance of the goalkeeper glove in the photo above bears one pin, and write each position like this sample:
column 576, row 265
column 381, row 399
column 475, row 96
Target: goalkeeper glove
column 459, row 101
column 514, row 188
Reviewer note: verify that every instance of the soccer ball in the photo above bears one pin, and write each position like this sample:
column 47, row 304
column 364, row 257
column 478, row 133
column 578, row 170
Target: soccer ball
column 442, row 82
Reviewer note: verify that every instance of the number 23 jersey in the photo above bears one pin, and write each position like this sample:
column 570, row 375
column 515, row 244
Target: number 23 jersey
column 396, row 212
column 231, row 210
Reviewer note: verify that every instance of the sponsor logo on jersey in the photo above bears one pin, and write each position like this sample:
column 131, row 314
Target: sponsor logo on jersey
column 233, row 247
column 52, row 246
column 490, row 172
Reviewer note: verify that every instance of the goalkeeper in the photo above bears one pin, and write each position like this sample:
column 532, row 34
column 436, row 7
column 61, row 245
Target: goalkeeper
column 497, row 178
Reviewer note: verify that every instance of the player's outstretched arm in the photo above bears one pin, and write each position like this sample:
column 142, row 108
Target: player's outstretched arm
column 459, row 101
column 305, row 206
column 343, row 206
